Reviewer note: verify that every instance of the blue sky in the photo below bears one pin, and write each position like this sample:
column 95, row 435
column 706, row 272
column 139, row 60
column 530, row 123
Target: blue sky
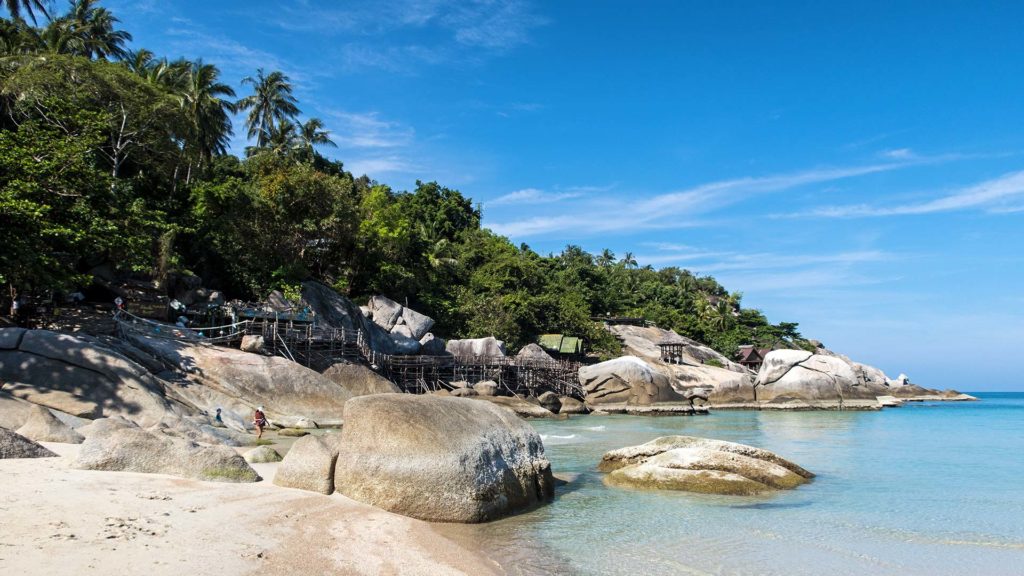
column 858, row 169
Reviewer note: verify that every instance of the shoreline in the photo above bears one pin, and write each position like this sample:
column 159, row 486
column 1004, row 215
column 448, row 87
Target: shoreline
column 130, row 523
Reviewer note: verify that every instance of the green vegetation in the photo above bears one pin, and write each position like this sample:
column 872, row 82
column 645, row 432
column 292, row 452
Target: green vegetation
column 118, row 157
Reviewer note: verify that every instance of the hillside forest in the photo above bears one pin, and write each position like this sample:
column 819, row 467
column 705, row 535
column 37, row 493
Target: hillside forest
column 111, row 155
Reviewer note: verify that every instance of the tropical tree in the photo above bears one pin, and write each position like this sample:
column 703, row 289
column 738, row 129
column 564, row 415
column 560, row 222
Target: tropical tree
column 206, row 108
column 14, row 7
column 270, row 103
column 312, row 133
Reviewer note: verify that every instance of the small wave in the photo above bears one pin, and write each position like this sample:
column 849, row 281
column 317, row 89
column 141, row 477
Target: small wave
column 556, row 437
column 595, row 428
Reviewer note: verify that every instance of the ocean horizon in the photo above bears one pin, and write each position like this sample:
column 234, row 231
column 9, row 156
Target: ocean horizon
column 930, row 488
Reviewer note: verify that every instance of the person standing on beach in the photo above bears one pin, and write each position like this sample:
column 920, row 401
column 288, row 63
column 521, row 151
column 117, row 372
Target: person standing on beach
column 259, row 420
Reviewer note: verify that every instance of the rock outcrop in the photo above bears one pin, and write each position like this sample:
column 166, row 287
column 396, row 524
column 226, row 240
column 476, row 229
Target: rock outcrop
column 489, row 346
column 440, row 459
column 697, row 369
column 359, row 380
column 309, row 464
column 519, row 406
column 79, row 375
column 801, row 376
column 550, row 401
column 237, row 382
column 131, row 449
column 534, row 352
column 42, row 426
column 14, row 445
column 701, row 465
column 627, row 379
column 570, row 405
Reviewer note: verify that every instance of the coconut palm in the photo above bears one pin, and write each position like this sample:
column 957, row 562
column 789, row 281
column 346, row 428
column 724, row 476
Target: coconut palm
column 14, row 7
column 206, row 110
column 270, row 103
column 86, row 30
column 312, row 134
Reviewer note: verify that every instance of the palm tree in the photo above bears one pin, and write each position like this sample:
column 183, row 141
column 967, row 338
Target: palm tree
column 206, row 109
column 312, row 134
column 14, row 7
column 271, row 102
column 86, row 30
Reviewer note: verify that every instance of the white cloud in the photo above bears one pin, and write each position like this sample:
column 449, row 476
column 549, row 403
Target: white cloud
column 679, row 209
column 533, row 196
column 991, row 195
column 367, row 130
column 380, row 165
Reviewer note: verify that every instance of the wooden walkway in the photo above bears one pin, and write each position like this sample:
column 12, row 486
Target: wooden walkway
column 318, row 348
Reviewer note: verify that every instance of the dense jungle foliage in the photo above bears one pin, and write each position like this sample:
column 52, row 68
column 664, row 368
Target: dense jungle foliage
column 119, row 157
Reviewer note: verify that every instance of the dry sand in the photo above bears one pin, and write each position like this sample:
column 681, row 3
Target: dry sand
column 56, row 520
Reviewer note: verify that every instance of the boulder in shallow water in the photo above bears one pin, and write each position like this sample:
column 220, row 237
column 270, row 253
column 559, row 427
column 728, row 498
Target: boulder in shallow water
column 42, row 426
column 550, row 401
column 14, row 445
column 309, row 464
column 701, row 465
column 440, row 459
column 570, row 405
column 131, row 449
column 626, row 380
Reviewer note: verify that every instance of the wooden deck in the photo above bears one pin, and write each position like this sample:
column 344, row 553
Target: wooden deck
column 318, row 348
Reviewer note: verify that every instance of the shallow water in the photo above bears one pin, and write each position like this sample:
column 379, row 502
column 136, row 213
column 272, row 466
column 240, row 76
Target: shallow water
column 929, row 489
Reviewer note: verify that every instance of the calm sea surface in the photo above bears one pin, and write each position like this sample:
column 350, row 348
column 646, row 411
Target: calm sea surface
column 929, row 489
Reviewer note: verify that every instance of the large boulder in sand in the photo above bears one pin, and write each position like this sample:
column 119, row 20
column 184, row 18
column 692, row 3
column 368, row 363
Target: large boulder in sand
column 262, row 455
column 79, row 375
column 14, row 445
column 798, row 375
column 359, row 380
column 237, row 382
column 13, row 411
column 489, row 346
column 42, row 426
column 440, row 459
column 309, row 464
column 627, row 379
column 130, row 449
column 701, row 465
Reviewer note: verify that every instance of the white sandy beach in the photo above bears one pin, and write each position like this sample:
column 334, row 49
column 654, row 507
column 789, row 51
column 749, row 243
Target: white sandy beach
column 59, row 520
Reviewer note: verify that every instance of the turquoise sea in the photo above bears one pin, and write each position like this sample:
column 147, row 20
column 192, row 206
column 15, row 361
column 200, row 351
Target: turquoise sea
column 929, row 489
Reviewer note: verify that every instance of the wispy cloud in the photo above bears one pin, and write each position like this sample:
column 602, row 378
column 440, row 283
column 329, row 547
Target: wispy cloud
column 533, row 196
column 367, row 130
column 395, row 35
column 377, row 166
column 992, row 195
column 683, row 208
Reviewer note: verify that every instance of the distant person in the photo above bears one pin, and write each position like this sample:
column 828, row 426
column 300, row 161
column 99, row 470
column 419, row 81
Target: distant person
column 218, row 419
column 119, row 304
column 259, row 420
